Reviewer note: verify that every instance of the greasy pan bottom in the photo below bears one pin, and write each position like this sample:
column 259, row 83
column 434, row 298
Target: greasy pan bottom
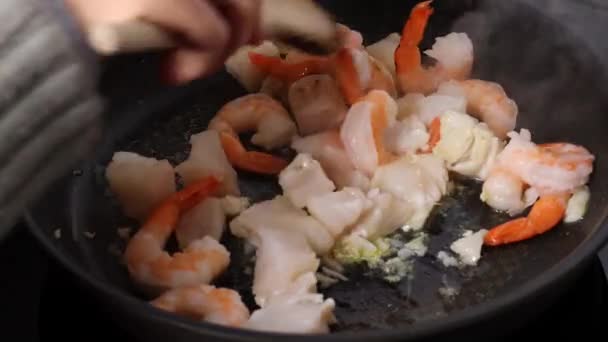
column 554, row 79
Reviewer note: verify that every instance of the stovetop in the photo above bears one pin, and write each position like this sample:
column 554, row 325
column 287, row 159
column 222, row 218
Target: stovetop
column 40, row 301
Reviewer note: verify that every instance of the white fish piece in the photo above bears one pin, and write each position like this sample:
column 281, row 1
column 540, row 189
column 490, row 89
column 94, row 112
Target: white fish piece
column 240, row 67
column 303, row 314
column 384, row 51
column 469, row 247
column 304, row 179
column 456, row 136
column 281, row 214
column 207, row 158
column 233, row 205
column 328, row 149
column 139, row 183
column 386, row 214
column 577, row 205
column 338, row 210
column 317, row 104
column 407, row 136
column 418, row 180
column 281, row 258
column 206, row 219
column 467, row 145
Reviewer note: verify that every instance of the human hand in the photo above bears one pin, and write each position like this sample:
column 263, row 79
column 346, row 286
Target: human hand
column 209, row 30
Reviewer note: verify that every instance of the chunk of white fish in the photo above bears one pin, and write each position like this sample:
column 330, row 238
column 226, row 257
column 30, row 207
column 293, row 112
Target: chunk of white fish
column 418, row 180
column 139, row 183
column 304, row 179
column 303, row 314
column 328, row 149
column 468, row 146
column 469, row 247
column 338, row 210
column 206, row 219
column 577, row 205
column 207, row 158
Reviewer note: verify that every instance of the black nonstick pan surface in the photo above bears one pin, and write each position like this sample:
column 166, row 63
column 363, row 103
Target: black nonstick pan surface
column 556, row 81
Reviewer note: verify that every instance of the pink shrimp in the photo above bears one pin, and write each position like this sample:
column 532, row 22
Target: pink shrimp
column 207, row 303
column 546, row 213
column 554, row 170
column 255, row 112
column 353, row 68
column 453, row 53
column 363, row 131
column 199, row 263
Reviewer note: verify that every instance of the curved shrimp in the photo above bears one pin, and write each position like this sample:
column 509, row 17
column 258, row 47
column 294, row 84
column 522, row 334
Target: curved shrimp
column 363, row 130
column 357, row 73
column 546, row 213
column 353, row 68
column 199, row 263
column 453, row 53
column 206, row 303
column 255, row 112
column 291, row 71
column 554, row 170
column 489, row 102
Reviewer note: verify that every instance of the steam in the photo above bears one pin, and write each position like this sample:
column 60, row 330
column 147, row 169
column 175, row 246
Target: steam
column 542, row 52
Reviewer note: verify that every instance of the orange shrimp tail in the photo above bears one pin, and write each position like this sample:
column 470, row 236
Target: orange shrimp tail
column 407, row 54
column 435, row 134
column 165, row 217
column 347, row 77
column 289, row 72
column 252, row 161
column 546, row 213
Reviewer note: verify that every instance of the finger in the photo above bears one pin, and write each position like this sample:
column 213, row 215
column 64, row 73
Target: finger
column 243, row 17
column 198, row 22
column 185, row 65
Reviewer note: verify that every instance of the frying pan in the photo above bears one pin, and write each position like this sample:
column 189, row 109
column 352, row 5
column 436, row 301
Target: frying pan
column 558, row 83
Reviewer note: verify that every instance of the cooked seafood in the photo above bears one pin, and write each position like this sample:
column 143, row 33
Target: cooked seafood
column 205, row 302
column 453, row 53
column 317, row 104
column 206, row 219
column 139, row 183
column 378, row 137
column 257, row 112
column 207, row 158
column 199, row 263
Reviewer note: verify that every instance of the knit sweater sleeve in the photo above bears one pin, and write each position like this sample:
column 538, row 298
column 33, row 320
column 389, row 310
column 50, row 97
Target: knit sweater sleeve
column 49, row 109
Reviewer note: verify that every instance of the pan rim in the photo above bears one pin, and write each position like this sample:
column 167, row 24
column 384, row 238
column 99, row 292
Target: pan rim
column 583, row 253
column 427, row 328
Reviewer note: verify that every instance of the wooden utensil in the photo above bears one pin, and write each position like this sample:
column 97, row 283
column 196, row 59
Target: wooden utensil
column 300, row 23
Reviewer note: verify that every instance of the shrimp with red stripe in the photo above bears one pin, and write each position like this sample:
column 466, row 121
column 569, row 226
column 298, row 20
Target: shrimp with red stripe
column 554, row 172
